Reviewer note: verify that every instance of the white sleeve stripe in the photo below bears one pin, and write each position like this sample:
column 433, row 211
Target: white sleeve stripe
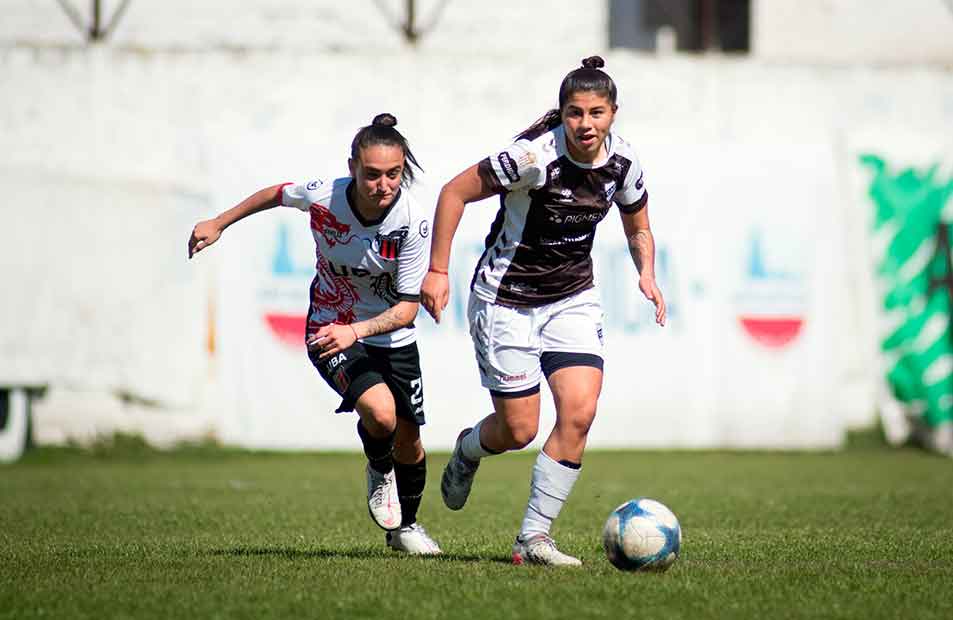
column 281, row 194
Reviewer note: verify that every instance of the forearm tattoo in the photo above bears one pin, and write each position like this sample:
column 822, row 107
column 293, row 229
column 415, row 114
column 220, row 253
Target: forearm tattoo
column 642, row 250
column 389, row 320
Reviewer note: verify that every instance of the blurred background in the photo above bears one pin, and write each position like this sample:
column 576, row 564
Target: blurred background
column 799, row 158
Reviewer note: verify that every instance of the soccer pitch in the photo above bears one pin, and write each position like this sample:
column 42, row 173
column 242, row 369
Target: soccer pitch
column 209, row 533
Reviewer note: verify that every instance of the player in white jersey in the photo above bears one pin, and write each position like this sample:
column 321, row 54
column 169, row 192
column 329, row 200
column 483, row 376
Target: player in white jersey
column 533, row 310
column 371, row 241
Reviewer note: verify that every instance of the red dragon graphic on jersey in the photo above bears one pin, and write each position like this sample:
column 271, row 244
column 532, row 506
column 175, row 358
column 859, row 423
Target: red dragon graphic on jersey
column 325, row 223
column 332, row 299
column 332, row 296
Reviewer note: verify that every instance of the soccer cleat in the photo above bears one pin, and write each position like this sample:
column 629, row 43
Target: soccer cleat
column 541, row 549
column 382, row 500
column 458, row 476
column 413, row 539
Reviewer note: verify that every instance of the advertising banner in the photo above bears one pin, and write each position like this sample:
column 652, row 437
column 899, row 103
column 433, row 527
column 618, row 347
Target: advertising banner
column 746, row 257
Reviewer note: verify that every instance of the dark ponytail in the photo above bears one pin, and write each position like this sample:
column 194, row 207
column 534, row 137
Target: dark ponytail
column 587, row 78
column 382, row 130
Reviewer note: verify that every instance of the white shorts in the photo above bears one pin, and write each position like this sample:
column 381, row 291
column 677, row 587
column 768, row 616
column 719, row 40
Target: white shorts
column 515, row 347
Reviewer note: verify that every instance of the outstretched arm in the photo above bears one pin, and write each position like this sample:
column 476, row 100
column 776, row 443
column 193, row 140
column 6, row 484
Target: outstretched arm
column 468, row 186
column 334, row 338
column 207, row 232
column 642, row 249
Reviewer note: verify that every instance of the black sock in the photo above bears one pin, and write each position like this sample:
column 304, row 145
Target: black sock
column 410, row 488
column 378, row 451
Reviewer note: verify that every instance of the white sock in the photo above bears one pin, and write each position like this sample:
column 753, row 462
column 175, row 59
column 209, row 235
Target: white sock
column 548, row 491
column 471, row 447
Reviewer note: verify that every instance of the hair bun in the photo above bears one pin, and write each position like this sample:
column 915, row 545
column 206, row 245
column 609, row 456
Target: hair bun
column 384, row 120
column 593, row 62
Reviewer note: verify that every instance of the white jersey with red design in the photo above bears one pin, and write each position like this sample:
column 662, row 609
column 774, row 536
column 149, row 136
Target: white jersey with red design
column 363, row 266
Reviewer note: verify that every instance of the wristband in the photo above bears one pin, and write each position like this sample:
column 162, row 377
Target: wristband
column 440, row 271
column 356, row 337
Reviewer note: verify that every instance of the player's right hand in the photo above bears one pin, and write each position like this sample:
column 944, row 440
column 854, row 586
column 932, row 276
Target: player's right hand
column 204, row 234
column 651, row 291
column 434, row 293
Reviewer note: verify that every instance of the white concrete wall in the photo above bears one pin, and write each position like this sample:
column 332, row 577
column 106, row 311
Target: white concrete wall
column 110, row 152
column 854, row 31
column 511, row 29
column 826, row 31
column 109, row 155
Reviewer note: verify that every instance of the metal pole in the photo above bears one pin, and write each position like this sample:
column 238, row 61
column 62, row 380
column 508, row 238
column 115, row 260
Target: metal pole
column 95, row 32
column 73, row 16
column 116, row 17
column 410, row 27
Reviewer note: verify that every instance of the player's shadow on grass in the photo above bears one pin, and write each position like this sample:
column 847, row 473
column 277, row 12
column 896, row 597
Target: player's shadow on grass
column 292, row 553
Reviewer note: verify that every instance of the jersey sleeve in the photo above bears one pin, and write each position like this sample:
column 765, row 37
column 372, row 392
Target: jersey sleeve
column 413, row 258
column 301, row 196
column 633, row 195
column 514, row 168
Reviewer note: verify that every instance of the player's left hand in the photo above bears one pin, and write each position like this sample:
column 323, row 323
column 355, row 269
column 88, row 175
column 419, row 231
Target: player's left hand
column 332, row 339
column 203, row 235
column 652, row 293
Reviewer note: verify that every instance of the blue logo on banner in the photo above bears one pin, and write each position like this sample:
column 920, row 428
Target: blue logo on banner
column 283, row 290
column 283, row 264
column 623, row 304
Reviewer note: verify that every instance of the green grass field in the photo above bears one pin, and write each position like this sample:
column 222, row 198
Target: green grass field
column 208, row 533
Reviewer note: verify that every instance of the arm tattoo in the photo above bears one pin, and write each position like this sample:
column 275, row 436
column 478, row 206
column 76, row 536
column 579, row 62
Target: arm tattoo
column 642, row 250
column 389, row 320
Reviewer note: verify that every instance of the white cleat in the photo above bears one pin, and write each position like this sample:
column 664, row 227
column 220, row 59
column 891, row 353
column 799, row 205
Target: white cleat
column 541, row 549
column 458, row 476
column 413, row 539
column 382, row 500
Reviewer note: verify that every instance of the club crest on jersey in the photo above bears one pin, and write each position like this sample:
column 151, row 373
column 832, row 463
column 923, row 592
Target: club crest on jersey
column 388, row 245
column 610, row 190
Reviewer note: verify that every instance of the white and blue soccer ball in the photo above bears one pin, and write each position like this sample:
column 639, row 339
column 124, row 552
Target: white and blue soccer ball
column 642, row 534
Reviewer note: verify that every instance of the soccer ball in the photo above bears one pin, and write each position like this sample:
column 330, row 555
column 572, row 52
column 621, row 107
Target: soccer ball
column 642, row 534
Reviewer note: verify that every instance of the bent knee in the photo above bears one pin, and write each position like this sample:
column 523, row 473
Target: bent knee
column 377, row 410
column 578, row 421
column 522, row 435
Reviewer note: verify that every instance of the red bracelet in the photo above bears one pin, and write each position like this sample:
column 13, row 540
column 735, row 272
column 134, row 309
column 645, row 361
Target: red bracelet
column 439, row 271
column 356, row 337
